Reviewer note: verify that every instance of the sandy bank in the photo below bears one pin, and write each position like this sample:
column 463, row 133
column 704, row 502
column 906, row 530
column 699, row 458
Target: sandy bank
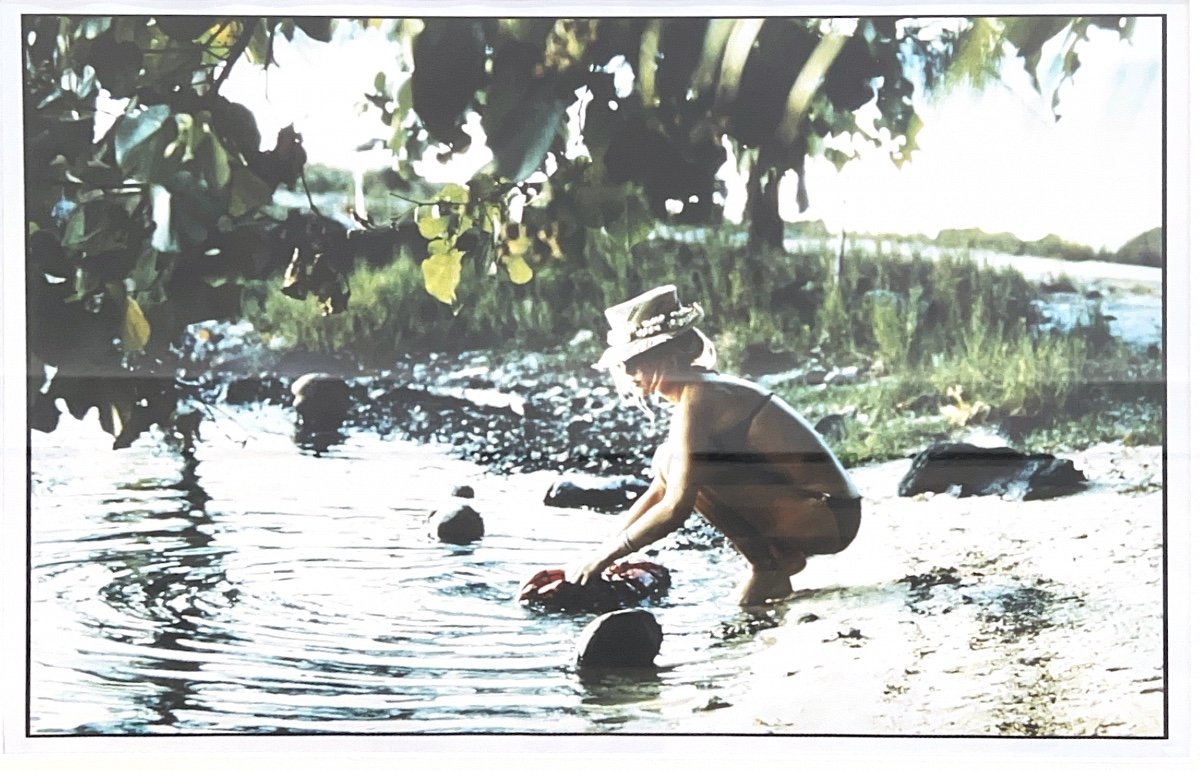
column 975, row 616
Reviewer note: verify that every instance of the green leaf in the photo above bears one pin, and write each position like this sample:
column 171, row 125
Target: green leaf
column 247, row 192
column 214, row 159
column 132, row 131
column 442, row 273
column 259, row 49
column 96, row 226
column 522, row 140
column 317, row 29
column 457, row 194
column 838, row 158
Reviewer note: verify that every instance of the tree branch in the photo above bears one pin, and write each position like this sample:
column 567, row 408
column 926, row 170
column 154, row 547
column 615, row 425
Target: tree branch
column 235, row 53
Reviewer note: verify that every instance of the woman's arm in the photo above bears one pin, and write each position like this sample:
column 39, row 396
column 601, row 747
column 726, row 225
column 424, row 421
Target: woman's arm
column 647, row 499
column 663, row 508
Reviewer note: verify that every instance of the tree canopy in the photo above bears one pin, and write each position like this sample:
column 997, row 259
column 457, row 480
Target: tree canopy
column 142, row 227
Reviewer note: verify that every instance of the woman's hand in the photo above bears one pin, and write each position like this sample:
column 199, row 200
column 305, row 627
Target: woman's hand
column 589, row 571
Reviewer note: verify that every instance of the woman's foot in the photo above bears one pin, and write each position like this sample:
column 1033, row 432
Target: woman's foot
column 763, row 585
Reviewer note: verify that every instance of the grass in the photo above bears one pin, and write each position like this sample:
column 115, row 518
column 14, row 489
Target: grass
column 951, row 344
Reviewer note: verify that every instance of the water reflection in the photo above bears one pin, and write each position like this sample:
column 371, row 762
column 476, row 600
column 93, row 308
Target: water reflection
column 205, row 596
column 166, row 583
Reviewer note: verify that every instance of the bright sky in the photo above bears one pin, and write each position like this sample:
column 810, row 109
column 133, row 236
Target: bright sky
column 996, row 159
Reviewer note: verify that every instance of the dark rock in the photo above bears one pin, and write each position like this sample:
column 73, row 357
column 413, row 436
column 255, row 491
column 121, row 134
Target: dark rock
column 245, row 390
column 973, row 470
column 463, row 491
column 760, row 358
column 1059, row 286
column 1094, row 294
column 623, row 585
column 321, row 401
column 832, row 427
column 595, row 492
column 457, row 524
column 623, row 638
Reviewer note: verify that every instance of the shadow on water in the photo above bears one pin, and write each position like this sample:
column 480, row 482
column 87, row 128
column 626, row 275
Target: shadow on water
column 317, row 443
column 165, row 585
column 605, row 686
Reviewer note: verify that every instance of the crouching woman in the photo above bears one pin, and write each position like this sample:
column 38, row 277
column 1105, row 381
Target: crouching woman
column 739, row 455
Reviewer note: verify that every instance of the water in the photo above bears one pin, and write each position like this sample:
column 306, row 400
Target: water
column 258, row 588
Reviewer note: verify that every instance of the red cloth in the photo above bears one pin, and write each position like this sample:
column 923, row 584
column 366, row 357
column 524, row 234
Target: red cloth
column 622, row 585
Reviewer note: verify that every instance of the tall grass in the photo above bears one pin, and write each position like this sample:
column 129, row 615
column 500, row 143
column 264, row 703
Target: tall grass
column 958, row 334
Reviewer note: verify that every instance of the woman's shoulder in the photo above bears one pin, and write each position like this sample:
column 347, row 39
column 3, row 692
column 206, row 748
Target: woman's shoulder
column 719, row 396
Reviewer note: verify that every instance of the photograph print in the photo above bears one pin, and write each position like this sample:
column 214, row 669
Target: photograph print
column 725, row 376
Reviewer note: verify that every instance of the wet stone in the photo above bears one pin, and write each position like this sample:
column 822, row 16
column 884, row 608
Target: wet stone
column 321, row 401
column 972, row 470
column 463, row 491
column 578, row 491
column 622, row 638
column 459, row 524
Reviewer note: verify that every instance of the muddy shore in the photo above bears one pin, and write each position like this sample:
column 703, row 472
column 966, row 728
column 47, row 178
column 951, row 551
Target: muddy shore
column 975, row 617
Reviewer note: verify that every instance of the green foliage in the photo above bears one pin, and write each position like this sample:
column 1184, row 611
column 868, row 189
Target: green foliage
column 170, row 210
column 1144, row 249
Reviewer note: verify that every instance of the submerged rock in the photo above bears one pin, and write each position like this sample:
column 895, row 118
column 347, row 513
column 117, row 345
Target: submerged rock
column 459, row 524
column 623, row 638
column 577, row 492
column 971, row 470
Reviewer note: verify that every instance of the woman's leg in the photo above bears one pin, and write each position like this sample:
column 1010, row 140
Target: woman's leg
column 763, row 585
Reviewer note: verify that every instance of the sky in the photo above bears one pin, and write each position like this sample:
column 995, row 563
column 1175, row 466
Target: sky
column 994, row 159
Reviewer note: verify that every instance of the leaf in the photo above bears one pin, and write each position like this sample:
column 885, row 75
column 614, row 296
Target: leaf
column 247, row 193
column 442, row 273
column 317, row 29
column 214, row 162
column 456, row 194
column 838, row 158
column 135, row 331
column 432, row 227
column 520, row 134
column 259, row 49
column 132, row 131
column 224, row 33
column 519, row 271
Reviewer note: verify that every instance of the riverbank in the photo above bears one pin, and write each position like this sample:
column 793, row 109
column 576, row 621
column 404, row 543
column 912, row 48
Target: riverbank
column 974, row 617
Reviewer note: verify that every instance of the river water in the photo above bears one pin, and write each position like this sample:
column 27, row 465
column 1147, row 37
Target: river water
column 260, row 588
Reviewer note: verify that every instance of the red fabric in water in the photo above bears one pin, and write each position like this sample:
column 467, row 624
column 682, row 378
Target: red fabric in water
column 623, row 585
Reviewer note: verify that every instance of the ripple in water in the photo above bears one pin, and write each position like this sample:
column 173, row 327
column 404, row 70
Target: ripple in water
column 259, row 588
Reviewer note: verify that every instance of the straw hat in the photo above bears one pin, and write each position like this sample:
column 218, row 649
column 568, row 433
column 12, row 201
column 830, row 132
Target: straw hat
column 650, row 319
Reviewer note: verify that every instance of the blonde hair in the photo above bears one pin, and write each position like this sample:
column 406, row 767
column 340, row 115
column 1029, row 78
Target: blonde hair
column 691, row 349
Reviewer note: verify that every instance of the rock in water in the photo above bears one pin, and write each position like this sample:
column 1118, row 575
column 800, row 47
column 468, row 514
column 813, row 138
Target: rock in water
column 622, row 638
column 1004, row 471
column 463, row 491
column 457, row 524
column 622, row 585
column 321, row 401
column 578, row 492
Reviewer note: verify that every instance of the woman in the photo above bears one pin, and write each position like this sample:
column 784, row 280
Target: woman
column 737, row 454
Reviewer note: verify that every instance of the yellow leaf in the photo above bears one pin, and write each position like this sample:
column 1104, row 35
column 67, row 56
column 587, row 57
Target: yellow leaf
column 135, row 331
column 454, row 194
column 519, row 271
column 519, row 245
column 225, row 34
column 442, row 273
column 491, row 222
column 433, row 227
